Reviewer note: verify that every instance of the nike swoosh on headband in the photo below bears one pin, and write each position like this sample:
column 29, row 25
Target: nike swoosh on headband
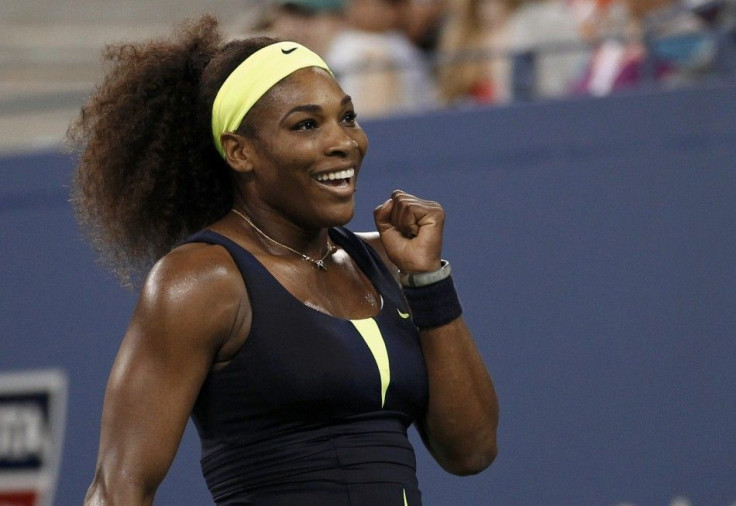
column 252, row 79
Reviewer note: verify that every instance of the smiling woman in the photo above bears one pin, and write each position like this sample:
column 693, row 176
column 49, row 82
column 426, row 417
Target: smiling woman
column 228, row 172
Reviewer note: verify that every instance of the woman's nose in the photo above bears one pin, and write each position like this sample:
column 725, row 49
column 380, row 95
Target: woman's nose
column 340, row 142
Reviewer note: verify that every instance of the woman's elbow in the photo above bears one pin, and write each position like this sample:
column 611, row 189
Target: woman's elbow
column 472, row 462
column 111, row 492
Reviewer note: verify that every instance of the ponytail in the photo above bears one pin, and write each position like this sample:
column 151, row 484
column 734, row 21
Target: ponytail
column 148, row 173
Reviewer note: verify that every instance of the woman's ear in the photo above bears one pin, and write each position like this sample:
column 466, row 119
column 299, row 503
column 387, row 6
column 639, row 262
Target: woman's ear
column 238, row 151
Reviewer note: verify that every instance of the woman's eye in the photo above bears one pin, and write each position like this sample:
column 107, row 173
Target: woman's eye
column 307, row 124
column 349, row 117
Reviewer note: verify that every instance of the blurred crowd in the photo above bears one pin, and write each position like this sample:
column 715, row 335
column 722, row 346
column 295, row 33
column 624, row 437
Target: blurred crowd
column 403, row 55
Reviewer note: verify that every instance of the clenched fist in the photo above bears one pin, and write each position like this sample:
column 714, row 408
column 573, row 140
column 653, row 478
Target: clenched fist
column 411, row 231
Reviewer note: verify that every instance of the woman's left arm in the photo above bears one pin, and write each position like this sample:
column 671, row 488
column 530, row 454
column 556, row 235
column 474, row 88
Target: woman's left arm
column 459, row 427
column 460, row 424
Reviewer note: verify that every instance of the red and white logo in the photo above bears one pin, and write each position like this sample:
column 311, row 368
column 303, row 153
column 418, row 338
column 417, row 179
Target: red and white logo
column 32, row 420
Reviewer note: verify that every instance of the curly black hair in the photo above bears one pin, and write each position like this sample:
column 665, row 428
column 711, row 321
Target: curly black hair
column 148, row 173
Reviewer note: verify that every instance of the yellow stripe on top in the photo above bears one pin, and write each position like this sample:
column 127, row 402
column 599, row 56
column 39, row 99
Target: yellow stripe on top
column 252, row 79
column 371, row 334
column 406, row 503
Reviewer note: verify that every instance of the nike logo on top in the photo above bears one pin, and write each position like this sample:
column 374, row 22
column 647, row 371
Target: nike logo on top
column 403, row 315
column 287, row 51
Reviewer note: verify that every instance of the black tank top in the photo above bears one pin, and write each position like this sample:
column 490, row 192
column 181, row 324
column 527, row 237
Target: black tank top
column 313, row 410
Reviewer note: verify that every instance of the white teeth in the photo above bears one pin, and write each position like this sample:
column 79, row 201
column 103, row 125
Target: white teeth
column 331, row 176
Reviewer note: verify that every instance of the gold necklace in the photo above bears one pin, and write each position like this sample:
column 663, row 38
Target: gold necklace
column 319, row 263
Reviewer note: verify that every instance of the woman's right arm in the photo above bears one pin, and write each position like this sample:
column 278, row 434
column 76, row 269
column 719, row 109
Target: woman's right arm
column 192, row 302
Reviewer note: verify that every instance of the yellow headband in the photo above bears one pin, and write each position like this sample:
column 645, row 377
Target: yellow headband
column 252, row 79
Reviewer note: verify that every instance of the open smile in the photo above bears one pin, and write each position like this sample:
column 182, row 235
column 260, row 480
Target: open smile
column 337, row 179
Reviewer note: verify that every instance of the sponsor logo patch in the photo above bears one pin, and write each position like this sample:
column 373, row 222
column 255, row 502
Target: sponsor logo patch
column 32, row 420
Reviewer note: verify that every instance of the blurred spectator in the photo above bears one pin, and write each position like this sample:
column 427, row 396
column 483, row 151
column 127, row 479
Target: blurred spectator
column 619, row 55
column 422, row 21
column 598, row 19
column 719, row 16
column 376, row 63
column 680, row 46
column 313, row 23
column 548, row 48
column 362, row 42
column 472, row 57
column 659, row 41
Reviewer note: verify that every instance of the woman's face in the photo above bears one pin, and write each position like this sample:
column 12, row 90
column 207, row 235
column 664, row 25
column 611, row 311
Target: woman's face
column 307, row 152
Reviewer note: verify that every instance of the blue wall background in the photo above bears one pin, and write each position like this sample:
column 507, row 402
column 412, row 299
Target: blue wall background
column 594, row 246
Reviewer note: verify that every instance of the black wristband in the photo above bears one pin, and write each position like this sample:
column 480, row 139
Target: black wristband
column 433, row 305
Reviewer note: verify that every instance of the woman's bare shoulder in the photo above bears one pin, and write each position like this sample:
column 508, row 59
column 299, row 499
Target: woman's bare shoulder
column 196, row 289
column 194, row 268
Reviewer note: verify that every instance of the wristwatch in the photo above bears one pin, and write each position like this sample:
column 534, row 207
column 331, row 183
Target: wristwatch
column 418, row 279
